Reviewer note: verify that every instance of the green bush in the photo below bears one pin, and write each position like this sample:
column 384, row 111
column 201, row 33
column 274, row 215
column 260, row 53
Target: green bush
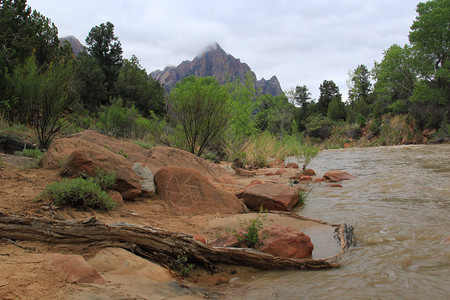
column 104, row 179
column 83, row 192
column 117, row 119
column 249, row 229
column 35, row 153
column 361, row 120
column 181, row 266
column 318, row 126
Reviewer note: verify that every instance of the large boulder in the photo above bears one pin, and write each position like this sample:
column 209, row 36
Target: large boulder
column 119, row 261
column 87, row 161
column 271, row 196
column 132, row 151
column 284, row 241
column 337, row 176
column 167, row 156
column 73, row 268
column 188, row 192
column 60, row 150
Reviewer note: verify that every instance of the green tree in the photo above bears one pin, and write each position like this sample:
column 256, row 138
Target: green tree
column 430, row 39
column 91, row 84
column 301, row 95
column 336, row 110
column 242, row 106
column 395, row 74
column 359, row 84
column 202, row 108
column 137, row 88
column 22, row 33
column 328, row 91
column 43, row 97
column 106, row 48
column 275, row 114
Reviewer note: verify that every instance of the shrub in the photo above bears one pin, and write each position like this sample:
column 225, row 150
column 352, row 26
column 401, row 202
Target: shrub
column 303, row 194
column 181, row 266
column 249, row 229
column 35, row 153
column 318, row 126
column 83, row 192
column 117, row 119
column 361, row 120
column 200, row 105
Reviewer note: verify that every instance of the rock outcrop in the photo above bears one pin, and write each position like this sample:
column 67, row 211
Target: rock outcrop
column 284, row 241
column 214, row 61
column 87, row 161
column 271, row 196
column 187, row 192
column 74, row 43
column 73, row 268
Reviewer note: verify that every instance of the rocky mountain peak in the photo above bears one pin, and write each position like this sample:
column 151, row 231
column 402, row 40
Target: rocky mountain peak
column 214, row 61
column 76, row 45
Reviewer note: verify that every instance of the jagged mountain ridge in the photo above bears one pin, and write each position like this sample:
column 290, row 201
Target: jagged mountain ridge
column 76, row 45
column 214, row 61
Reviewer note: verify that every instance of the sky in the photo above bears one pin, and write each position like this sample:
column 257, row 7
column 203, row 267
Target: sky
column 302, row 42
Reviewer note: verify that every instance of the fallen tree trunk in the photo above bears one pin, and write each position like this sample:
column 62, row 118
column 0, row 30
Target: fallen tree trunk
column 156, row 244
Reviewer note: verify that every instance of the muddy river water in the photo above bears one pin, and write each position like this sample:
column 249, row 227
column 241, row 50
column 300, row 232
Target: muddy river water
column 399, row 205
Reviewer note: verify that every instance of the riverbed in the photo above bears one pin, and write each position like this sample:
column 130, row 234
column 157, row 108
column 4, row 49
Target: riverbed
column 399, row 207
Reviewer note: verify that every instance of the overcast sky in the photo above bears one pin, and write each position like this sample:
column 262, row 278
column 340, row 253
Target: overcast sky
column 301, row 42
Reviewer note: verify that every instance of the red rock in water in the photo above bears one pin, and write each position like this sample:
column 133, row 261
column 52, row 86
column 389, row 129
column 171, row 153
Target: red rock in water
column 333, row 185
column 187, row 192
column 318, row 179
column 336, row 176
column 284, row 241
column 271, row 196
column 87, row 161
column 72, row 267
column 292, row 165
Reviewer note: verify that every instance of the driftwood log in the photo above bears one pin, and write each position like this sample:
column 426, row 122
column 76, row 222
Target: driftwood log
column 157, row 244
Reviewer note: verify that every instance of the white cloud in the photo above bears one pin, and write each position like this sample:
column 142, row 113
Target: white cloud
column 301, row 42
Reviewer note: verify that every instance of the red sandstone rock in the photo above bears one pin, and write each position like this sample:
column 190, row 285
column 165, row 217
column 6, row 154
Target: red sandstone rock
column 336, row 176
column 280, row 172
column 87, row 161
column 72, row 267
column 227, row 239
column 292, row 165
column 333, row 185
column 199, row 238
column 254, row 182
column 284, row 241
column 271, row 196
column 167, row 156
column 269, row 174
column 116, row 197
column 276, row 164
column 188, row 192
column 309, row 172
column 347, row 145
column 132, row 151
column 318, row 179
column 305, row 178
column 245, row 173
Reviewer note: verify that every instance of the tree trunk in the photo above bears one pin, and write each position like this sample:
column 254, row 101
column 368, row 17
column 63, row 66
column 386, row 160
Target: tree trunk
column 153, row 243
